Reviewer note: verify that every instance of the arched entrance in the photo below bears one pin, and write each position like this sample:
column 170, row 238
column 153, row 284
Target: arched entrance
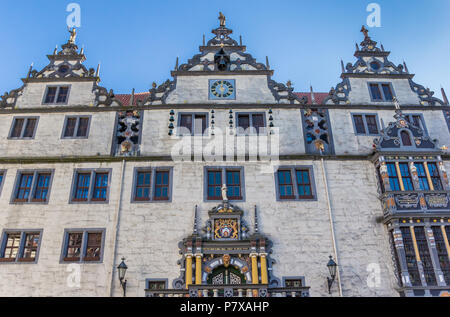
column 223, row 275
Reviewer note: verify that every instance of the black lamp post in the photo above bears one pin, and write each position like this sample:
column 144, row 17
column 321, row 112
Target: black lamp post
column 122, row 269
column 332, row 266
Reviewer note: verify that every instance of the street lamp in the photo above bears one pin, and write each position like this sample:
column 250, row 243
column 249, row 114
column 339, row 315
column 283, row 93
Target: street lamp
column 332, row 266
column 122, row 269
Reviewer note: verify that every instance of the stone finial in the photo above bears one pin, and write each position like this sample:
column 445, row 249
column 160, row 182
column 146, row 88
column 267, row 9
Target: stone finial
column 365, row 32
column 444, row 96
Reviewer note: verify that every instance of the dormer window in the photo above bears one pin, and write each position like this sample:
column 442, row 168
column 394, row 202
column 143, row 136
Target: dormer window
column 56, row 95
column 381, row 92
column 406, row 139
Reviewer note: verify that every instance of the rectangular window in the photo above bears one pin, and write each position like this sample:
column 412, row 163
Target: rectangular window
column 156, row 285
column 32, row 187
column 304, row 184
column 143, row 186
column 423, row 180
column 216, row 177
column 365, row 124
column 376, row 93
column 30, row 247
column 410, row 254
column 442, row 253
column 393, row 177
column 194, row 123
column 293, row 283
column 152, row 184
column 76, row 127
column 214, row 185
column 42, row 187
column 56, row 95
column 381, row 91
column 23, row 128
column 162, row 185
column 435, row 177
column 2, row 176
column 100, row 187
column 406, row 176
column 387, row 92
column 295, row 183
column 20, row 246
column 83, row 245
column 425, row 256
column 90, row 186
column 255, row 121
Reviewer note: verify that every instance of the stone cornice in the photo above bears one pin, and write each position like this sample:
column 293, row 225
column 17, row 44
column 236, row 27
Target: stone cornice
column 371, row 75
column 62, row 79
column 176, row 73
column 210, row 106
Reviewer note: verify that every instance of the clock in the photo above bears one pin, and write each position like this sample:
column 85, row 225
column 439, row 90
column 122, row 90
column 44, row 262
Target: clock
column 222, row 89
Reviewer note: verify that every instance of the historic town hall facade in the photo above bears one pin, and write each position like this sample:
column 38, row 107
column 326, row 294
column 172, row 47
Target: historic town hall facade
column 223, row 182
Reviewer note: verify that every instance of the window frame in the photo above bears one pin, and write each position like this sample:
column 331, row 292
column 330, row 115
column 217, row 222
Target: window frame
column 223, row 170
column 422, row 120
column 84, row 241
column 290, row 278
column 293, row 169
column 22, row 132
column 19, row 259
column 153, row 170
column 250, row 115
column 366, row 127
column 193, row 114
column 3, row 173
column 31, row 199
column 77, row 125
column 58, row 87
column 157, row 280
column 93, row 172
column 380, row 87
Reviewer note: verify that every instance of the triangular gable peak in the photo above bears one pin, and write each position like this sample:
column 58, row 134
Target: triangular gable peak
column 373, row 65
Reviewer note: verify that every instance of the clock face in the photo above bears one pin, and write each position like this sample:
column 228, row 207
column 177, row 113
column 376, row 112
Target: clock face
column 222, row 89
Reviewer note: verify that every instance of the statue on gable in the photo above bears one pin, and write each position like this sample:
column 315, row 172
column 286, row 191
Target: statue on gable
column 222, row 19
column 73, row 35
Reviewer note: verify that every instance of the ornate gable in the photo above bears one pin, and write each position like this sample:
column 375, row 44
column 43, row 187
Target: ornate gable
column 373, row 62
column 401, row 135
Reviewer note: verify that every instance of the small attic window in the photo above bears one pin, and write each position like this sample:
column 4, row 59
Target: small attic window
column 56, row 95
column 63, row 69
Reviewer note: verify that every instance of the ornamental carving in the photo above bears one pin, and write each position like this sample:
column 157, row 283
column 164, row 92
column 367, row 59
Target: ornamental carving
column 437, row 200
column 408, row 201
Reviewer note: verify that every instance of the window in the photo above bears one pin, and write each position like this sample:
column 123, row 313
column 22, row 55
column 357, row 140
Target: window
column 23, row 128
column 410, row 255
column 162, row 185
column 366, row 124
column 442, row 252
column 295, row 183
column 192, row 123
column 423, row 180
column 406, row 176
column 381, row 92
column 56, row 95
column 417, row 120
column 152, row 184
column 32, row 187
column 406, row 139
column 293, row 282
column 425, row 256
column 216, row 177
column 156, row 285
column 2, row 176
column 255, row 121
column 435, row 178
column 393, row 177
column 20, row 246
column 91, row 186
column 76, row 127
column 83, row 245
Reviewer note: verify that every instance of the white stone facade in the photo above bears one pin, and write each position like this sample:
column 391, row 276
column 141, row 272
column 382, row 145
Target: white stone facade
column 147, row 234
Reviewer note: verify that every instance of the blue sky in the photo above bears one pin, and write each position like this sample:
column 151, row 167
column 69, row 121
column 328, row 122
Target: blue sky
column 137, row 42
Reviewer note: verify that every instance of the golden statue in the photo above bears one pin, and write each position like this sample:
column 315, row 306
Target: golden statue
column 222, row 19
column 73, row 35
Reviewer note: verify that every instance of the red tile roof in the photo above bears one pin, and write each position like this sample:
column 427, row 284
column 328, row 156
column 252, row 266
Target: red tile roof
column 126, row 98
